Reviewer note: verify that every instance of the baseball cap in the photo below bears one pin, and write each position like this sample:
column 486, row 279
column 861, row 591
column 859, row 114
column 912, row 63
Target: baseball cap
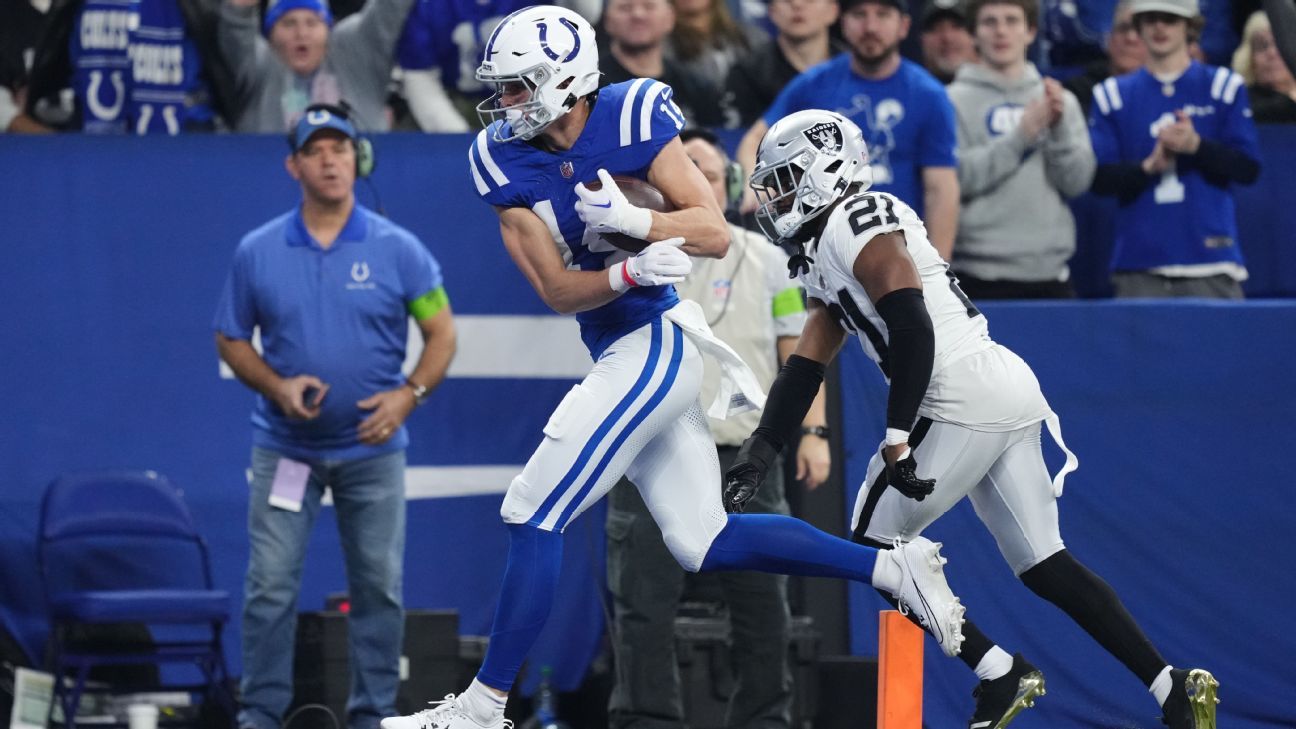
column 938, row 9
column 900, row 5
column 317, row 119
column 279, row 7
column 1182, row 8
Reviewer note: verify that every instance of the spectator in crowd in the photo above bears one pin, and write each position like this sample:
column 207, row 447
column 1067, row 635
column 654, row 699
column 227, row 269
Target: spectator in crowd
column 22, row 23
column 1023, row 149
column 906, row 117
column 946, row 41
column 708, row 40
column 1125, row 54
column 636, row 33
column 801, row 41
column 1171, row 140
column 438, row 52
column 332, row 286
column 303, row 60
column 751, row 305
column 1273, row 90
column 133, row 66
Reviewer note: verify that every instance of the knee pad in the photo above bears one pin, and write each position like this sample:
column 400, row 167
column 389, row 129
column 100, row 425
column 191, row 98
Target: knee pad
column 519, row 502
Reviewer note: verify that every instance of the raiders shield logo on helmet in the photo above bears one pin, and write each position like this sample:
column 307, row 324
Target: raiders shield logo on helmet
column 826, row 136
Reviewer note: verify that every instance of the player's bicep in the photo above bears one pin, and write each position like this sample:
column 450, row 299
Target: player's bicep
column 530, row 245
column 883, row 265
column 822, row 337
column 680, row 181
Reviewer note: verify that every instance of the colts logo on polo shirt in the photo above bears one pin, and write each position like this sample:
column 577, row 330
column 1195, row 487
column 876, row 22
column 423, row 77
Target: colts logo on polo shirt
column 360, row 276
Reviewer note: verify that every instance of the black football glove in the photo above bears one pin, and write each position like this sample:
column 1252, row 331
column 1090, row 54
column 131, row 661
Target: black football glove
column 744, row 477
column 903, row 477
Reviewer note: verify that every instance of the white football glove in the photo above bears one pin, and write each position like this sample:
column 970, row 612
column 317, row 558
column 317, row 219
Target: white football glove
column 659, row 264
column 606, row 210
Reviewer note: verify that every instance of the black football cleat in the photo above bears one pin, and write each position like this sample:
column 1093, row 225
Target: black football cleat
column 1192, row 700
column 1000, row 701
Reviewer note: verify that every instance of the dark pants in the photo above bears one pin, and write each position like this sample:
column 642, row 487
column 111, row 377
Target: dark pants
column 980, row 289
column 646, row 584
column 1141, row 284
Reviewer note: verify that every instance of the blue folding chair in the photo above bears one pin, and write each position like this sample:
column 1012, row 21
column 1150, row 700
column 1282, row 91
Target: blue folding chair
column 121, row 548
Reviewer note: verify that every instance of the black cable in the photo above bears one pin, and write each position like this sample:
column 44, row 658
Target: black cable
column 309, row 707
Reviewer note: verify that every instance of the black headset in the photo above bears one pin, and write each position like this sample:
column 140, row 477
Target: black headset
column 364, row 151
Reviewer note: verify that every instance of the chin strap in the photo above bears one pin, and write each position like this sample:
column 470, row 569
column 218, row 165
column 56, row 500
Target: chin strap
column 799, row 262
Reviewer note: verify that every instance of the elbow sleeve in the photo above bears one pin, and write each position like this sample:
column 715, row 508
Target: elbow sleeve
column 912, row 348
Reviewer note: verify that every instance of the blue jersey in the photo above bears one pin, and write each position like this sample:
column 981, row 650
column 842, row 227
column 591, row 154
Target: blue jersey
column 340, row 313
column 1186, row 218
column 450, row 35
column 907, row 119
column 136, row 69
column 628, row 125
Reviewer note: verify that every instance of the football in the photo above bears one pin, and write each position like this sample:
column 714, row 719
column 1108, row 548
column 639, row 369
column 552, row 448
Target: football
column 640, row 194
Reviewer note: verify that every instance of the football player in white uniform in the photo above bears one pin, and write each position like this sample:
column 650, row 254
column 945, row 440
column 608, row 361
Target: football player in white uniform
column 637, row 412
column 963, row 413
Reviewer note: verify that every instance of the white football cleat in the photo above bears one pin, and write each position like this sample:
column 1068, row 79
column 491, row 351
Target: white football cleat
column 444, row 714
column 924, row 591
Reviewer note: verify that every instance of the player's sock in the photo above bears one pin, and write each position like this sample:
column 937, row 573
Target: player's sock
column 483, row 705
column 1161, row 685
column 1094, row 606
column 530, row 576
column 789, row 546
column 995, row 663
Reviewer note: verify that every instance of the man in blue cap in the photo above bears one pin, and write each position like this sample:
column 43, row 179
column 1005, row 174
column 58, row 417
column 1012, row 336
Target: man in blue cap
column 304, row 59
column 331, row 286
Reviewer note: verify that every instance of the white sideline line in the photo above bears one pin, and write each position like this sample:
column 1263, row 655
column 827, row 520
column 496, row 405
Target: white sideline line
column 519, row 347
column 445, row 482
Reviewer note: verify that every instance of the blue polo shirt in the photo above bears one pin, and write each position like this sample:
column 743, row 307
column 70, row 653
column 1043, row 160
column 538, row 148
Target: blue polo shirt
column 339, row 313
column 907, row 119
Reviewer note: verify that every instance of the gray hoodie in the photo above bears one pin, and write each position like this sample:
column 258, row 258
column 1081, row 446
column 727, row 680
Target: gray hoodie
column 1014, row 224
column 357, row 68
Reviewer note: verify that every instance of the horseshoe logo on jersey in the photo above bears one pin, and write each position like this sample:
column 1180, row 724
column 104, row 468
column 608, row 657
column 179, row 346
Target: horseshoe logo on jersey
column 360, row 271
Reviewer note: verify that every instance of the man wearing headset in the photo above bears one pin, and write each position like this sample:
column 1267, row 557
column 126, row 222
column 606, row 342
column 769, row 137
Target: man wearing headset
column 331, row 285
column 751, row 305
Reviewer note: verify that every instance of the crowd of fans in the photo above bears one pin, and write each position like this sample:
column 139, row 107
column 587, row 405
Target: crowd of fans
column 174, row 66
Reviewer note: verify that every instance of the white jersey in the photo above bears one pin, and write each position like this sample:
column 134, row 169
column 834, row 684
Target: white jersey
column 994, row 390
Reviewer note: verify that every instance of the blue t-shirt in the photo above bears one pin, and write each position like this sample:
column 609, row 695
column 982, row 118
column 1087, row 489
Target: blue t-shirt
column 340, row 313
column 907, row 119
column 629, row 124
column 1186, row 218
column 450, row 35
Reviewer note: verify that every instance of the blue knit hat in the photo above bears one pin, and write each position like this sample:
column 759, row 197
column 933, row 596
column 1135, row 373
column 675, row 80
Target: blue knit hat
column 279, row 7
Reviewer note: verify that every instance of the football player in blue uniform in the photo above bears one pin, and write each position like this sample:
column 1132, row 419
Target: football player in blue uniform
column 637, row 412
column 1172, row 139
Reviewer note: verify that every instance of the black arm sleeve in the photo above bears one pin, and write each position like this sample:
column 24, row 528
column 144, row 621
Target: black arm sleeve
column 1125, row 180
column 913, row 350
column 1220, row 160
column 789, row 400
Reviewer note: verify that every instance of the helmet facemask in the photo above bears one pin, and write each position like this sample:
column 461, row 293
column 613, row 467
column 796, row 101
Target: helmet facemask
column 526, row 118
column 793, row 192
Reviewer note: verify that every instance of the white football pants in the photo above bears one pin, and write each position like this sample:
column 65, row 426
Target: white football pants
column 637, row 414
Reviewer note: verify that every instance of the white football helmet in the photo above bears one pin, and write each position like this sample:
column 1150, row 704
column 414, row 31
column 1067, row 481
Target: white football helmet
column 805, row 163
column 549, row 49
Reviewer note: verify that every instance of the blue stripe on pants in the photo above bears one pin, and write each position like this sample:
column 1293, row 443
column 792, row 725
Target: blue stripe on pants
column 654, row 352
column 667, row 382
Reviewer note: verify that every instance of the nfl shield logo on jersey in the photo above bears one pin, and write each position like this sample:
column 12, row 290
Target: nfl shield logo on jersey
column 567, row 170
column 827, row 136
